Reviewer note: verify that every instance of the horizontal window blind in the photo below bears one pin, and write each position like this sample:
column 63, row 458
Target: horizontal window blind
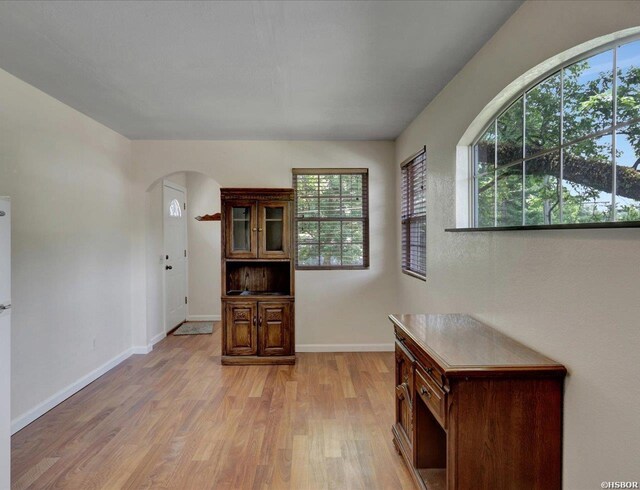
column 414, row 215
column 331, row 218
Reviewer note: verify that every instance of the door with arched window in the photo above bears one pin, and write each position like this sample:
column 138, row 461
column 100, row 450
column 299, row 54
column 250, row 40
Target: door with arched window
column 175, row 249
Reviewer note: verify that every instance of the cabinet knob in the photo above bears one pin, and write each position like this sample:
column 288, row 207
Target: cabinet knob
column 424, row 391
column 259, row 229
column 254, row 319
column 255, row 229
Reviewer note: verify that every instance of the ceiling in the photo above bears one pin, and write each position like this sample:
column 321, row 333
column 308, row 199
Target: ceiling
column 246, row 70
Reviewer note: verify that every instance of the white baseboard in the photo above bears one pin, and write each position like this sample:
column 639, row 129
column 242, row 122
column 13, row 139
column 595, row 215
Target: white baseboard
column 141, row 349
column 157, row 338
column 25, row 419
column 145, row 349
column 345, row 348
column 204, row 318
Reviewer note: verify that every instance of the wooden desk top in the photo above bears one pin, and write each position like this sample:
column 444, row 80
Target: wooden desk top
column 462, row 345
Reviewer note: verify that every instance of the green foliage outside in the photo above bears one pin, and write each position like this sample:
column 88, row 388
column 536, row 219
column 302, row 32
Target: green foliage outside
column 330, row 242
column 512, row 192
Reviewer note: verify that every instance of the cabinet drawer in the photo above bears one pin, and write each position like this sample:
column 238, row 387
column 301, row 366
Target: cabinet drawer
column 432, row 395
column 425, row 362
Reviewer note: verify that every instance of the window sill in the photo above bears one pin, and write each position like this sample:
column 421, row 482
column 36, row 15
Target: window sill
column 568, row 226
column 333, row 268
column 414, row 274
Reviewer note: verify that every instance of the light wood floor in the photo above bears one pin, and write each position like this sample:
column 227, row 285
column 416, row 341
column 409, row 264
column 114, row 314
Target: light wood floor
column 177, row 419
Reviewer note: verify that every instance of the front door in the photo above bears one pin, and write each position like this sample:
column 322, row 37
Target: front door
column 5, row 342
column 175, row 249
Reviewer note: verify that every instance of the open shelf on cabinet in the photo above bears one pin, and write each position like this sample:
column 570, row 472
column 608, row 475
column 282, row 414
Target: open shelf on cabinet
column 236, row 292
column 431, row 448
column 258, row 278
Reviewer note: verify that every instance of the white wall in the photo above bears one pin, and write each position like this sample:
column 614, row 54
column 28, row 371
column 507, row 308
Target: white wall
column 203, row 197
column 154, row 258
column 332, row 307
column 572, row 295
column 69, row 179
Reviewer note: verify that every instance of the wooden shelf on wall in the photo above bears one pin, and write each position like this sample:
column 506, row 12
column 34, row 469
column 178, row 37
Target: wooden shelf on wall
column 209, row 217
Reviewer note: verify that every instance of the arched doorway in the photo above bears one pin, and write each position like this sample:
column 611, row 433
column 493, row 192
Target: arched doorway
column 200, row 259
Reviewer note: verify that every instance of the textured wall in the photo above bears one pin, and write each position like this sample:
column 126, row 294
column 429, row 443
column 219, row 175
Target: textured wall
column 572, row 295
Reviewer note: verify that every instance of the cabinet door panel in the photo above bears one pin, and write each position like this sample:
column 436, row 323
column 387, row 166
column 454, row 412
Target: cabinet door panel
column 241, row 329
column 404, row 393
column 275, row 328
column 241, row 230
column 274, row 231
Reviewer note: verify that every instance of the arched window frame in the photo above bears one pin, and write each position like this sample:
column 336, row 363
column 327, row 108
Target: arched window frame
column 522, row 93
column 175, row 210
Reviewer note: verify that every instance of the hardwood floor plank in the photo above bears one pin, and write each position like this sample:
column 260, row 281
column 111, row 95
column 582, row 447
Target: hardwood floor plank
column 176, row 419
column 34, row 472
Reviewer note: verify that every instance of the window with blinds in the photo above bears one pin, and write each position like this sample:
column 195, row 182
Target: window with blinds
column 414, row 215
column 331, row 218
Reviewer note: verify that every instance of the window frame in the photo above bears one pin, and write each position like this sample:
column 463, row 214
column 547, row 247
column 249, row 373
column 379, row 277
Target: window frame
column 365, row 216
column 406, row 246
column 521, row 93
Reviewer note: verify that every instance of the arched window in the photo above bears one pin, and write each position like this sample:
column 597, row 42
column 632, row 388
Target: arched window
column 175, row 211
column 567, row 150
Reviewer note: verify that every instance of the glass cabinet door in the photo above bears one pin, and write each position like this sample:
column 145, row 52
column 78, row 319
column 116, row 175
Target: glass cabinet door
column 241, row 239
column 241, row 230
column 274, row 230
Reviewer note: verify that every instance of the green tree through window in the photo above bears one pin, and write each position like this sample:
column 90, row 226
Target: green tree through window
column 331, row 218
column 567, row 150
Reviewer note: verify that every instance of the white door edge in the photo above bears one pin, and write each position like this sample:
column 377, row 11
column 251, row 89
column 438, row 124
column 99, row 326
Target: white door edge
column 5, row 343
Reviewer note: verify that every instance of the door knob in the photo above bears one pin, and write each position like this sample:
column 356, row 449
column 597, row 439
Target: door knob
column 168, row 267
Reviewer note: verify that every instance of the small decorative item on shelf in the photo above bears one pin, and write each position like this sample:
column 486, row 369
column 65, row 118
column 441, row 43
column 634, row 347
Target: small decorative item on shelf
column 209, row 217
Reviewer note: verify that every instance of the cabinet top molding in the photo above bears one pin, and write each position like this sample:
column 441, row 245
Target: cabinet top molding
column 252, row 193
column 463, row 346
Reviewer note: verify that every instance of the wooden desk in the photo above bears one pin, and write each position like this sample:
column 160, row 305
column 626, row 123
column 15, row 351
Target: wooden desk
column 474, row 408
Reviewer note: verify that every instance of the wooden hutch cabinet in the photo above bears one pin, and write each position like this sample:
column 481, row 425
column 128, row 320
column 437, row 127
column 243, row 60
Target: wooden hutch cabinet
column 474, row 408
column 257, row 276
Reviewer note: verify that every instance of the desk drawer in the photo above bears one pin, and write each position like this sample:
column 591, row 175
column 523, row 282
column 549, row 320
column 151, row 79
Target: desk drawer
column 432, row 395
